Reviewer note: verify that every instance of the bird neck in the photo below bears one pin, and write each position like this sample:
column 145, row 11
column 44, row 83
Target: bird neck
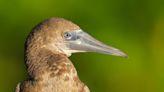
column 43, row 62
column 54, row 70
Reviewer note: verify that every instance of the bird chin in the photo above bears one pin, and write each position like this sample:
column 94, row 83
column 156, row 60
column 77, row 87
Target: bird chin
column 70, row 52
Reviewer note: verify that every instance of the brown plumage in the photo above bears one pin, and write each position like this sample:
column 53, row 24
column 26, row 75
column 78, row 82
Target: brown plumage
column 47, row 49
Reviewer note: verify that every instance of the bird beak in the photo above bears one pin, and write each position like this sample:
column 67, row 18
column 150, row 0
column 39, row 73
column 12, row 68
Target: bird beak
column 86, row 43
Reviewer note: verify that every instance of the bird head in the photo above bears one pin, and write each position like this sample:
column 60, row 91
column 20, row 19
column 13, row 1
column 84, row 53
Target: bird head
column 63, row 36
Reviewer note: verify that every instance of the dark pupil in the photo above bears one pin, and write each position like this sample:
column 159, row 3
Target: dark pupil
column 67, row 35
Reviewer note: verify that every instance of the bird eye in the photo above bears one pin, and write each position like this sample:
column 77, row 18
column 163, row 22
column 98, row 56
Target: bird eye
column 67, row 35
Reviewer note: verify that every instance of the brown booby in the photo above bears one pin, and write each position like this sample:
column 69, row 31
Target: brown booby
column 47, row 49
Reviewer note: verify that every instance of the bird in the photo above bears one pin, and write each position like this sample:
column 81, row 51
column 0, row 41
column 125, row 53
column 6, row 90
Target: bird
column 47, row 50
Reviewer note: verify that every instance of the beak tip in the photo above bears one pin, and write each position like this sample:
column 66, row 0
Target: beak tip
column 121, row 54
column 124, row 55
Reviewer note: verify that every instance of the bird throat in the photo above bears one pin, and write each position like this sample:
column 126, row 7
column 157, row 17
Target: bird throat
column 53, row 71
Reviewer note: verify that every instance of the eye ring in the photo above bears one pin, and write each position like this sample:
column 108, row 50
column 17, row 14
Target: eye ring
column 67, row 35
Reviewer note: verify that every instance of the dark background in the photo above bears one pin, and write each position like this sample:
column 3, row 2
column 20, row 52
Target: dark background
column 134, row 26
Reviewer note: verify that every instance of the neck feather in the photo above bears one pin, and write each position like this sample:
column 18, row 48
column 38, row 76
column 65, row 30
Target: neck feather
column 42, row 62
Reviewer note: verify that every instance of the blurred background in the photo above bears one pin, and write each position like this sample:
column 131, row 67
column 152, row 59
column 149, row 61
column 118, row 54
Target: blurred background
column 134, row 26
